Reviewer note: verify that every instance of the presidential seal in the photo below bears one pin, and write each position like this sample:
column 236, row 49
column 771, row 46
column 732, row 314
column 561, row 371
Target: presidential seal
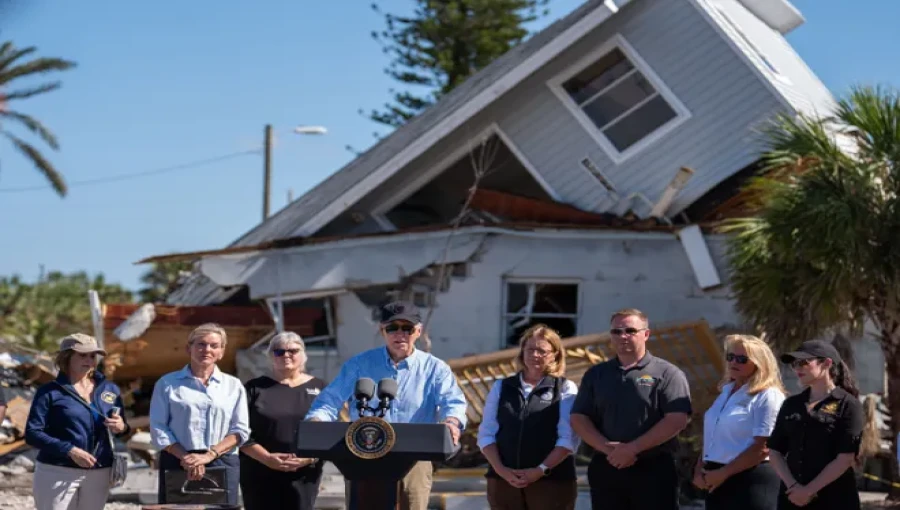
column 370, row 437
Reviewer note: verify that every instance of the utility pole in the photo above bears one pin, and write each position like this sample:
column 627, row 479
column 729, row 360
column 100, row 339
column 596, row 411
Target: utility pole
column 267, row 171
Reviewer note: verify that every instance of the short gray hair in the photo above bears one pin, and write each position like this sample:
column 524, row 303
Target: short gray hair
column 283, row 340
column 210, row 328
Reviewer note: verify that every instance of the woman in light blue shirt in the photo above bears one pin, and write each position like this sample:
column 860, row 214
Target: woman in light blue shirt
column 198, row 417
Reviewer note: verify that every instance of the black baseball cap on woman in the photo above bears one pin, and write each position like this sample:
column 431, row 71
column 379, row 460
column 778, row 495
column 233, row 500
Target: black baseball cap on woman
column 813, row 349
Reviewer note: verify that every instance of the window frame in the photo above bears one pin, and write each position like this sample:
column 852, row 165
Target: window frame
column 617, row 41
column 505, row 316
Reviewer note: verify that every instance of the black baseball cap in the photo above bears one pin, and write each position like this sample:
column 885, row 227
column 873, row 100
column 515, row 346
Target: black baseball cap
column 813, row 349
column 400, row 311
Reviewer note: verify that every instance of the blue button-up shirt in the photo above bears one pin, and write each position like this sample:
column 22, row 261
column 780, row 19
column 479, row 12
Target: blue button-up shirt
column 428, row 392
column 197, row 417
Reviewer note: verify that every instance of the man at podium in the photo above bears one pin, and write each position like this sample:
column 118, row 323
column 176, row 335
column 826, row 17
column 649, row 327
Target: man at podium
column 427, row 390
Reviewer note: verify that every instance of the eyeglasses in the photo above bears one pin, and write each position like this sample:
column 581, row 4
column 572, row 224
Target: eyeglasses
column 737, row 358
column 626, row 331
column 281, row 352
column 393, row 328
column 537, row 352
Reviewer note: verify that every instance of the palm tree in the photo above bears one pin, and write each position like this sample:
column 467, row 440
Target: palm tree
column 821, row 253
column 9, row 71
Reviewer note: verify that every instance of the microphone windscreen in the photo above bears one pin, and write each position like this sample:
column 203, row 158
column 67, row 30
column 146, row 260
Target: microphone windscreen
column 387, row 388
column 365, row 388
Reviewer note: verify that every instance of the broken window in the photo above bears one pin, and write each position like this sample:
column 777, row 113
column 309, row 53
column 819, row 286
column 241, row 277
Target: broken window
column 324, row 336
column 529, row 303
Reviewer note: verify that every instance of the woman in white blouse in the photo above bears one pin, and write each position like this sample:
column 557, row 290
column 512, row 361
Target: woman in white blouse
column 733, row 467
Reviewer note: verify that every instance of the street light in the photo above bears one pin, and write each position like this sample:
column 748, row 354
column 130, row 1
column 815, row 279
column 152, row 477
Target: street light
column 310, row 130
column 267, row 160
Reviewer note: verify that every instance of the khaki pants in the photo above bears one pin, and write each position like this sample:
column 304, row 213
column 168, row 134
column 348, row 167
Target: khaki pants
column 415, row 487
column 64, row 488
column 541, row 495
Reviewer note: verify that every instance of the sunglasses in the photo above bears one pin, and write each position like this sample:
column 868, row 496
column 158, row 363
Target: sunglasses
column 393, row 328
column 798, row 363
column 281, row 352
column 626, row 331
column 737, row 358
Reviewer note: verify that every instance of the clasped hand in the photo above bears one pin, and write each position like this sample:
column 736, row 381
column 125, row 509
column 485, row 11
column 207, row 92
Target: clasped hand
column 621, row 455
column 195, row 464
column 287, row 462
column 521, row 478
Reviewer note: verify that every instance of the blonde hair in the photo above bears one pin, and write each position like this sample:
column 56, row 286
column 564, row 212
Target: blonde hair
column 631, row 312
column 284, row 339
column 767, row 374
column 556, row 367
column 210, row 328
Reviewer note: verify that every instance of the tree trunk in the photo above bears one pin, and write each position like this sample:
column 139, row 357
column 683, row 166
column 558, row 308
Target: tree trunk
column 890, row 344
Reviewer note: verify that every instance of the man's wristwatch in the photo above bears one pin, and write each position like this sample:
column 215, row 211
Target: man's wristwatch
column 543, row 467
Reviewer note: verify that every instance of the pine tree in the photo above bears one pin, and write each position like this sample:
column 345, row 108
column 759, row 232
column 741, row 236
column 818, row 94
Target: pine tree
column 444, row 42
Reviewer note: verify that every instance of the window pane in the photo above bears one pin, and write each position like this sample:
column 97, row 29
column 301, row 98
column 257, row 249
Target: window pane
column 617, row 100
column 639, row 123
column 566, row 327
column 598, row 76
column 516, row 297
column 556, row 298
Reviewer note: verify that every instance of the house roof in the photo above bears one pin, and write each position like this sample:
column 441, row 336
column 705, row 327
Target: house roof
column 611, row 223
column 341, row 190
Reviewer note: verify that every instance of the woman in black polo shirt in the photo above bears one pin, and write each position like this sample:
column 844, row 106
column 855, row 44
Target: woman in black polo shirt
column 525, row 434
column 817, row 434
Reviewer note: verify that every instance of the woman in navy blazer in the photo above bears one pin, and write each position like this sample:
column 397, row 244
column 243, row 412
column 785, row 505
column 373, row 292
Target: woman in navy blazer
column 69, row 423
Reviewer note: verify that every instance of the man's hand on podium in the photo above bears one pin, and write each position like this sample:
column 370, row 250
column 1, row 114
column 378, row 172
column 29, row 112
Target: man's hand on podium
column 453, row 425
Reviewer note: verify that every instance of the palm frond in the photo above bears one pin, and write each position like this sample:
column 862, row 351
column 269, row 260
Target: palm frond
column 40, row 162
column 33, row 91
column 8, row 55
column 33, row 125
column 37, row 66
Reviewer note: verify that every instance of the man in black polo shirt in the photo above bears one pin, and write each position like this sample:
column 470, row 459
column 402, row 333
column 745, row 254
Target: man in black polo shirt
column 630, row 409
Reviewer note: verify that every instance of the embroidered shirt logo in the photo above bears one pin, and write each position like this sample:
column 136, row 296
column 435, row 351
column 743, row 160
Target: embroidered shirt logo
column 108, row 397
column 547, row 396
column 645, row 380
column 312, row 391
column 830, row 408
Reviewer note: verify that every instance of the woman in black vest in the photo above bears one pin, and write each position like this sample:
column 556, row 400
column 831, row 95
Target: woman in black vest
column 525, row 433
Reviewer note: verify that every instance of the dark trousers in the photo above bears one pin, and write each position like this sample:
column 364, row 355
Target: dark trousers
column 648, row 484
column 230, row 463
column 541, row 495
column 753, row 489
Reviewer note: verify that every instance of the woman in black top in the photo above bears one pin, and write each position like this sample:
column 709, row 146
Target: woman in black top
column 817, row 434
column 271, row 476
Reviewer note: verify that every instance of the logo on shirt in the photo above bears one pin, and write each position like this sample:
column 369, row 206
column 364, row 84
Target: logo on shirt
column 370, row 437
column 108, row 397
column 645, row 380
column 546, row 396
column 830, row 408
column 312, row 391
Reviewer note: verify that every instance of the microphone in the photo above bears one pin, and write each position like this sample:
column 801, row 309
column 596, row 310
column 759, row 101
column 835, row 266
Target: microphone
column 387, row 392
column 364, row 391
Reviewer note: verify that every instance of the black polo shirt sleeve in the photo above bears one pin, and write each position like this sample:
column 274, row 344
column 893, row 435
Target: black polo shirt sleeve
column 584, row 401
column 675, row 393
column 849, row 427
column 778, row 440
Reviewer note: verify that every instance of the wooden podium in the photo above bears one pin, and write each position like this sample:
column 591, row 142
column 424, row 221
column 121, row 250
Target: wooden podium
column 374, row 455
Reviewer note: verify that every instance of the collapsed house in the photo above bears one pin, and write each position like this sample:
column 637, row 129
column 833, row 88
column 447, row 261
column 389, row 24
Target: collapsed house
column 577, row 174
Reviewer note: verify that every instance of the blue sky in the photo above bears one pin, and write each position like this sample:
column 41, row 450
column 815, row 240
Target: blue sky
column 161, row 86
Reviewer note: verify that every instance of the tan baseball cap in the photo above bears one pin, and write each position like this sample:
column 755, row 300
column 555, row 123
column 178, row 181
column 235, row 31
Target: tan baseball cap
column 79, row 342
